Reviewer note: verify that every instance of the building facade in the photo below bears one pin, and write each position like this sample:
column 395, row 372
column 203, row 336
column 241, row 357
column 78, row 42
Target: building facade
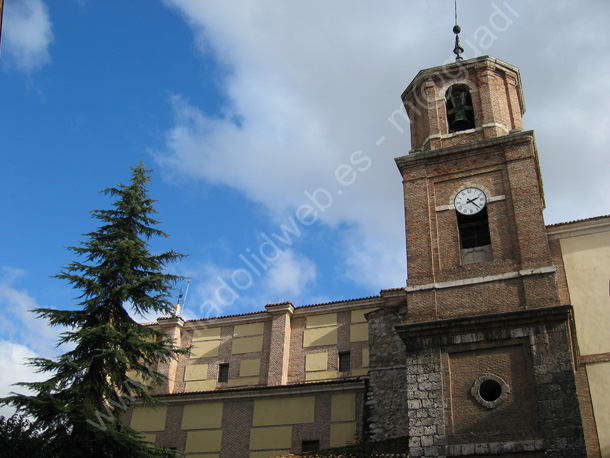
column 581, row 250
column 495, row 347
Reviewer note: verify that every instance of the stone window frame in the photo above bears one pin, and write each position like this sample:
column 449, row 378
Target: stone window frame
column 476, row 387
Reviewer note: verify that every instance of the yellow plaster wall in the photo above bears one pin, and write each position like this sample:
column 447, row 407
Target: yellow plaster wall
column 200, row 385
column 206, row 334
column 342, row 434
column 283, row 411
column 205, row 349
column 358, row 315
column 243, row 381
column 587, row 263
column 150, row 437
column 195, row 372
column 133, row 374
column 252, row 329
column 316, row 321
column 249, row 367
column 202, row 415
column 276, row 437
column 247, row 345
column 343, row 407
column 365, row 357
column 316, row 361
column 204, row 441
column 149, row 418
column 320, row 336
column 359, row 332
column 320, row 375
column 599, row 375
column 358, row 372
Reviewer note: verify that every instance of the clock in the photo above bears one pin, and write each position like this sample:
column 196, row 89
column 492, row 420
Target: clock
column 470, row 201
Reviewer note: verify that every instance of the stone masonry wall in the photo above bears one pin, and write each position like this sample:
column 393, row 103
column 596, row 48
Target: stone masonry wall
column 386, row 400
column 425, row 402
column 436, row 430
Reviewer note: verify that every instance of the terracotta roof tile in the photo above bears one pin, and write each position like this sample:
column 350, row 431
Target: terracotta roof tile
column 338, row 302
column 578, row 221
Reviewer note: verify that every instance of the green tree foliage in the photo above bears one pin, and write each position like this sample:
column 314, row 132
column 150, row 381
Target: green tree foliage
column 20, row 439
column 78, row 409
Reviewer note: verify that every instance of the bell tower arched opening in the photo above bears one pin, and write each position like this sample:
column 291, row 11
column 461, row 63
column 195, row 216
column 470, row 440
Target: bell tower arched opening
column 460, row 114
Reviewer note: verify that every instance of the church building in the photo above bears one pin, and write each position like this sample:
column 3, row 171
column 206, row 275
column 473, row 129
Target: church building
column 497, row 346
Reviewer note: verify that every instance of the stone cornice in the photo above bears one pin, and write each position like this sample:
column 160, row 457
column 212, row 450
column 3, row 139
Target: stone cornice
column 285, row 307
column 486, row 279
column 473, row 148
column 257, row 392
column 486, row 322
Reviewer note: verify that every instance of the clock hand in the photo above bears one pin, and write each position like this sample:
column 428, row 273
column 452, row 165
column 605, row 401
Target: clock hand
column 471, row 201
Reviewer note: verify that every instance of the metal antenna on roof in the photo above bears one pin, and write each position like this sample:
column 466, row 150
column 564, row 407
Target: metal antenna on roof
column 457, row 50
column 182, row 300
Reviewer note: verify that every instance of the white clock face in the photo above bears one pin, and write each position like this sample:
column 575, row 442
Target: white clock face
column 470, row 201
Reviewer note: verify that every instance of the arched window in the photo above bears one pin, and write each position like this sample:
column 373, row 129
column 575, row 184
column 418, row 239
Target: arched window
column 460, row 115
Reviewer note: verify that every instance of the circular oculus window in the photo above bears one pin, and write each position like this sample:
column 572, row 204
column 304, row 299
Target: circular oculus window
column 490, row 390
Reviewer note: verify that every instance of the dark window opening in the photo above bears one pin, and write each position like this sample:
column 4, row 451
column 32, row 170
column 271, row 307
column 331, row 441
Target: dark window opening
column 223, row 373
column 474, row 230
column 460, row 114
column 344, row 361
column 490, row 390
column 310, row 446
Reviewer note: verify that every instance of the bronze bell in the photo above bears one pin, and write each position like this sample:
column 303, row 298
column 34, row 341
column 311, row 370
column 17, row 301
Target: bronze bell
column 460, row 121
column 459, row 111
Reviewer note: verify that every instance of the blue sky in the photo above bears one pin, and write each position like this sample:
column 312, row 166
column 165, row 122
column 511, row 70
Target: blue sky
column 266, row 124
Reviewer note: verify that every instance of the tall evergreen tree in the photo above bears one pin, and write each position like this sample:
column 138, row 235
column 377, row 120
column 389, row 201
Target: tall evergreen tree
column 78, row 409
column 20, row 439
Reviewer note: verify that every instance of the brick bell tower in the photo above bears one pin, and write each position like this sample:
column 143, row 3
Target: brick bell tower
column 488, row 358
column 473, row 194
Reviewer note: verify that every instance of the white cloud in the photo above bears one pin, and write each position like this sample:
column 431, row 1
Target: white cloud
column 290, row 126
column 280, row 274
column 23, row 336
column 310, row 83
column 213, row 293
column 289, row 277
column 26, row 34
column 13, row 358
column 17, row 321
column 373, row 261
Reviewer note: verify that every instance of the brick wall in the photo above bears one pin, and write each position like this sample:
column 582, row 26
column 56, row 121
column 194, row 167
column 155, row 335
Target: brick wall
column 496, row 99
